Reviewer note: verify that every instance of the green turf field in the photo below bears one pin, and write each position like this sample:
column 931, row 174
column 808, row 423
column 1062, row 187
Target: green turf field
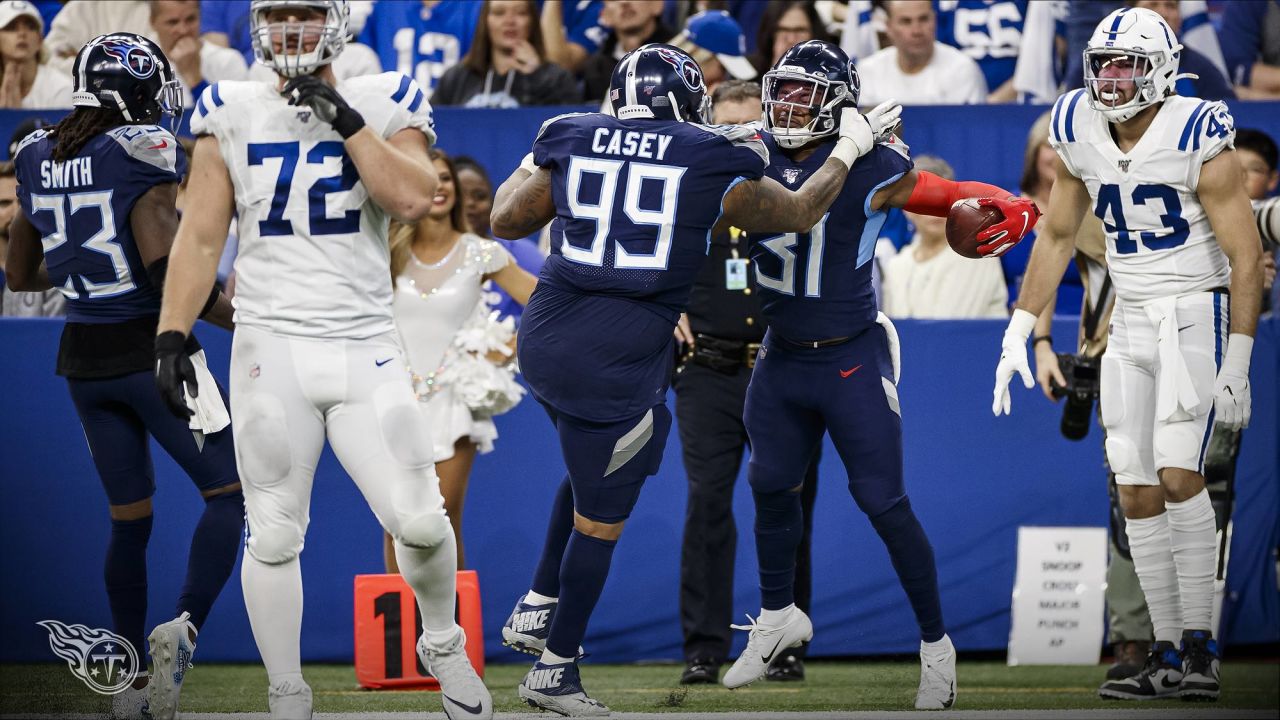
column 51, row 688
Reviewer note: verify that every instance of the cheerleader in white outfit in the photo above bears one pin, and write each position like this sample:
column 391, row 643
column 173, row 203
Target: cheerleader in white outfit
column 459, row 354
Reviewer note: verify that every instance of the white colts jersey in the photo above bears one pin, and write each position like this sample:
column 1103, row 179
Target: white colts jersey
column 313, row 258
column 1159, row 241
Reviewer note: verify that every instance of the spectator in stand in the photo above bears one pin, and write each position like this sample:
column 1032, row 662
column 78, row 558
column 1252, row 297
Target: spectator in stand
column 421, row 38
column 475, row 192
column 44, row 303
column 83, row 20
column 1259, row 157
column 25, row 80
column 176, row 24
column 226, row 23
column 715, row 40
column 572, row 31
column 784, row 24
column 989, row 32
column 1251, row 44
column 1211, row 84
column 927, row 280
column 1038, row 173
column 916, row 69
column 506, row 66
column 631, row 23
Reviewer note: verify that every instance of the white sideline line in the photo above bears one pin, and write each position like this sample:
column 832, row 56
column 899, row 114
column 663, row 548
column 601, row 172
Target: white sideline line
column 1118, row 713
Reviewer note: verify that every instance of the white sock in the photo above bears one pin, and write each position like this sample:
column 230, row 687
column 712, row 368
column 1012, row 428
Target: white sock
column 533, row 598
column 1193, row 532
column 433, row 575
column 774, row 618
column 1152, row 552
column 550, row 658
column 273, row 599
column 936, row 649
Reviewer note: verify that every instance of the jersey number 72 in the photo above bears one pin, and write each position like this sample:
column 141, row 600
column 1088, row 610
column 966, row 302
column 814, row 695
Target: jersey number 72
column 319, row 221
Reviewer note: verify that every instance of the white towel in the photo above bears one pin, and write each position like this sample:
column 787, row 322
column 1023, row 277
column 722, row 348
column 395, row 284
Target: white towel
column 1034, row 77
column 210, row 412
column 1176, row 397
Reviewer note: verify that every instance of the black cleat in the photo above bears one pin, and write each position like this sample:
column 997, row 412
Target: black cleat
column 1160, row 677
column 788, row 668
column 1200, row 679
column 701, row 671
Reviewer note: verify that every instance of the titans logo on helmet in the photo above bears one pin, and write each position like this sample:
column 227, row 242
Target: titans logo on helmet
column 136, row 59
column 688, row 70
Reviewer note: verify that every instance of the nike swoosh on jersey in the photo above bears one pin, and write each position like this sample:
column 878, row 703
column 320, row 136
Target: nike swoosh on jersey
column 847, row 373
column 163, row 144
column 471, row 709
column 380, row 363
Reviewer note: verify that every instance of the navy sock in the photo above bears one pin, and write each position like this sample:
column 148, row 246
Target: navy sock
column 214, row 548
column 779, row 529
column 582, row 576
column 546, row 578
column 912, row 557
column 126, row 577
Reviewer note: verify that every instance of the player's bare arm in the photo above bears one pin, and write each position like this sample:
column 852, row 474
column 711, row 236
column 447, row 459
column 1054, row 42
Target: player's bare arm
column 1222, row 194
column 154, row 222
column 24, row 269
column 197, row 246
column 523, row 204
column 764, row 205
column 396, row 172
column 514, row 281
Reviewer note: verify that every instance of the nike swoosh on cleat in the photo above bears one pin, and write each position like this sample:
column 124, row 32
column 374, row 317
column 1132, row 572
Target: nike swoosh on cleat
column 847, row 373
column 1164, row 684
column 471, row 709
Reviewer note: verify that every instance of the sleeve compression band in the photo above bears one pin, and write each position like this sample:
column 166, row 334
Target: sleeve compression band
column 935, row 195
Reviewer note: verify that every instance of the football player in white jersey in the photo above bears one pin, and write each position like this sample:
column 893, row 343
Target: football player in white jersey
column 313, row 170
column 1183, row 252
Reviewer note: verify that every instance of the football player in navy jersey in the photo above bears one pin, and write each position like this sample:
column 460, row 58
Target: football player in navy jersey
column 829, row 359
column 634, row 196
column 98, row 218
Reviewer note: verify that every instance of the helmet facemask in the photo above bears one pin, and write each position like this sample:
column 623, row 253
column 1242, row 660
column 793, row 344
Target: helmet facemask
column 283, row 46
column 791, row 96
column 1105, row 85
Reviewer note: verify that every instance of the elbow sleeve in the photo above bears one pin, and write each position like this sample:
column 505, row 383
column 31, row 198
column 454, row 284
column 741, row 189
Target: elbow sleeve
column 934, row 195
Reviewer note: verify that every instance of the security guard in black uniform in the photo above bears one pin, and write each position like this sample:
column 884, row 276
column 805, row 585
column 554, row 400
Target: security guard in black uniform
column 720, row 339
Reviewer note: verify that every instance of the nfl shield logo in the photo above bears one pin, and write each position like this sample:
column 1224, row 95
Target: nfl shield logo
column 1124, row 166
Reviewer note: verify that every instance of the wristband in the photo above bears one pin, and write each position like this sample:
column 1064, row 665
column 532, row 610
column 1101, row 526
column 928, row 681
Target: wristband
column 170, row 342
column 528, row 165
column 1021, row 325
column 1239, row 348
column 347, row 122
column 1042, row 338
column 845, row 151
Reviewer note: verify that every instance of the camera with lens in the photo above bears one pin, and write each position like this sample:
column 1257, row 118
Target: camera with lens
column 1083, row 379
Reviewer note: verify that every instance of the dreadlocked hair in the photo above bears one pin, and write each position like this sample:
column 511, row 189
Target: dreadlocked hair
column 81, row 126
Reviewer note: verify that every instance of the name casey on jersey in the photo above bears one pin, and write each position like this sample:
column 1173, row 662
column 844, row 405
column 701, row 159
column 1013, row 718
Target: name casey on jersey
column 629, row 142
column 73, row 172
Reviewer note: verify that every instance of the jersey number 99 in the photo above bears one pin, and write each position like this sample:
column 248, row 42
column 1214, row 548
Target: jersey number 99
column 602, row 212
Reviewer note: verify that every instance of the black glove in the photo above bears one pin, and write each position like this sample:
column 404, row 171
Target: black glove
column 173, row 370
column 325, row 101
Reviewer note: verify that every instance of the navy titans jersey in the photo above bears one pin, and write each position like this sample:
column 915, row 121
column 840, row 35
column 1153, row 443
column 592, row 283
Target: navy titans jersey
column 82, row 209
column 817, row 285
column 635, row 202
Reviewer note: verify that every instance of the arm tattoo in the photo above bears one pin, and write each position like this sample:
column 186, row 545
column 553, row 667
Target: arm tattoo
column 524, row 207
column 765, row 205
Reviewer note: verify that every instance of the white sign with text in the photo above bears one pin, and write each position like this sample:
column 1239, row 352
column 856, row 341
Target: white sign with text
column 1058, row 605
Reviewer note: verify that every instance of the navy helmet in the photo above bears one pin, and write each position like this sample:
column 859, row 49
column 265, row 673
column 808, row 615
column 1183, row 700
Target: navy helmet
column 129, row 73
column 814, row 79
column 659, row 81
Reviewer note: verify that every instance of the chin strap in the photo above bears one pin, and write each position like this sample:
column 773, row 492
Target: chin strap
column 934, row 195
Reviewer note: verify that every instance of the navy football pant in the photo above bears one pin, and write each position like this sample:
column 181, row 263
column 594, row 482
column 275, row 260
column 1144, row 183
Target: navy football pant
column 607, row 465
column 797, row 394
column 119, row 415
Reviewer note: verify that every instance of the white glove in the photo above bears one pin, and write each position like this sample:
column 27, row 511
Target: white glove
column 528, row 165
column 1013, row 358
column 895, row 354
column 1231, row 402
column 859, row 133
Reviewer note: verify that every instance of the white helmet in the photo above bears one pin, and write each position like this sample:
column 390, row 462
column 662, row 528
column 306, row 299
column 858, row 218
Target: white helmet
column 266, row 36
column 1143, row 36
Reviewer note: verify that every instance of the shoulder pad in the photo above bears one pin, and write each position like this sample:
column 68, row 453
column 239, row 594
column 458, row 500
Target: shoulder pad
column 1206, row 127
column 150, row 144
column 746, row 136
column 390, row 100
column 35, row 137
column 558, row 118
column 1068, row 116
column 896, row 144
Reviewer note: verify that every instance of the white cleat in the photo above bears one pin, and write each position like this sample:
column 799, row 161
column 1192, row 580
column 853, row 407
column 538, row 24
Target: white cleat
column 290, row 700
column 171, row 651
column 937, row 677
column 462, row 692
column 130, row 704
column 764, row 644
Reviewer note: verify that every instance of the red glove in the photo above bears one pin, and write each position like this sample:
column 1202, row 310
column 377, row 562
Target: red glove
column 1020, row 216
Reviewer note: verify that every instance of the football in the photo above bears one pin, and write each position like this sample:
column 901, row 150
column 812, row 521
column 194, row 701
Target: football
column 966, row 219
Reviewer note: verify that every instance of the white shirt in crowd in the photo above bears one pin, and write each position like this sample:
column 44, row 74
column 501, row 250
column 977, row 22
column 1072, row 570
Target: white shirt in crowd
column 356, row 60
column 51, row 89
column 80, row 21
column 945, row 286
column 217, row 63
column 950, row 78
